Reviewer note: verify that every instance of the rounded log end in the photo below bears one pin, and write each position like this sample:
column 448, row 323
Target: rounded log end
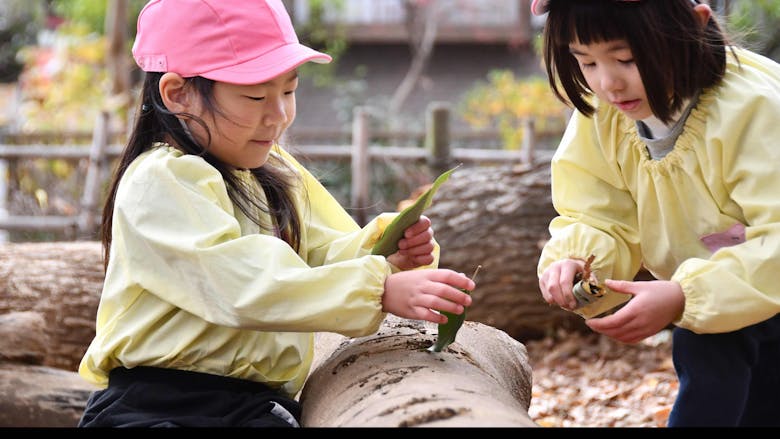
column 390, row 379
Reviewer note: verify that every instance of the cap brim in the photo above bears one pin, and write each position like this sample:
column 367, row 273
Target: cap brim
column 540, row 7
column 268, row 66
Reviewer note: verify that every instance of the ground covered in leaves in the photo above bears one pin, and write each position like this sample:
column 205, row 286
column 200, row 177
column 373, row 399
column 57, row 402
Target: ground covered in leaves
column 589, row 380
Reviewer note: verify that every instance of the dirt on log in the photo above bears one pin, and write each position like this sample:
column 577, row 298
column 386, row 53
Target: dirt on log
column 390, row 379
column 498, row 217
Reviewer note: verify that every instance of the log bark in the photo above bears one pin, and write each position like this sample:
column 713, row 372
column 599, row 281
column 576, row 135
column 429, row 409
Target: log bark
column 32, row 395
column 498, row 217
column 23, row 337
column 41, row 396
column 61, row 281
column 390, row 379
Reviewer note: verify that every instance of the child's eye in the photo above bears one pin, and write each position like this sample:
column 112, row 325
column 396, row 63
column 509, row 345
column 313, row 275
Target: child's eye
column 626, row 61
column 256, row 98
column 288, row 93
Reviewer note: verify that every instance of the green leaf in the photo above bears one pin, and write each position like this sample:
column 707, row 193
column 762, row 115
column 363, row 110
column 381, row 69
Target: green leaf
column 388, row 242
column 449, row 330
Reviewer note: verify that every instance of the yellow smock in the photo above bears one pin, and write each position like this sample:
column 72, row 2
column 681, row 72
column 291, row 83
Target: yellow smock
column 192, row 284
column 618, row 204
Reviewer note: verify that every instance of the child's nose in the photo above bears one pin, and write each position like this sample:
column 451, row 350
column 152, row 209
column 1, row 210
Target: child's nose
column 611, row 81
column 276, row 113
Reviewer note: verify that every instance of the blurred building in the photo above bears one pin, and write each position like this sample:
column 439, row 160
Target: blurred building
column 473, row 37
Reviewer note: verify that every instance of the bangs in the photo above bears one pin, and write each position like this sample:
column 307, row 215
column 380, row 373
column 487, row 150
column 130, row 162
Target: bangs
column 593, row 22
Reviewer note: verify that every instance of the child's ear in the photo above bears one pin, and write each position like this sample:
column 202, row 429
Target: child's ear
column 174, row 94
column 704, row 12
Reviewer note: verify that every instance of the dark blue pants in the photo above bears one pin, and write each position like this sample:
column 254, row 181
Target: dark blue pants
column 153, row 397
column 730, row 379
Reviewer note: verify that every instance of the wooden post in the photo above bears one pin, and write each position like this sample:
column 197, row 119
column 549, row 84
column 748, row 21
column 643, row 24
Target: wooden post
column 529, row 139
column 3, row 189
column 91, row 195
column 437, row 137
column 360, row 165
column 116, row 56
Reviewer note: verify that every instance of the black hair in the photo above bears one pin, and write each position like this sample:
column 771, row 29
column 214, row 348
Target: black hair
column 674, row 54
column 155, row 123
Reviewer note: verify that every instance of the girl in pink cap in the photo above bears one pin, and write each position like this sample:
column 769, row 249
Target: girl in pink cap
column 670, row 161
column 223, row 254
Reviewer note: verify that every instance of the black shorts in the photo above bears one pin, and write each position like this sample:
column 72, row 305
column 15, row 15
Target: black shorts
column 155, row 397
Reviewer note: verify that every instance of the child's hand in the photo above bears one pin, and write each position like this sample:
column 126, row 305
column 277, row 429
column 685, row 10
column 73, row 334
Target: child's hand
column 655, row 305
column 415, row 294
column 557, row 281
column 415, row 249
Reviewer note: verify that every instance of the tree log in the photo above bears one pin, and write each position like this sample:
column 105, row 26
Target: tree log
column 40, row 396
column 498, row 217
column 61, row 281
column 32, row 395
column 390, row 379
column 50, row 293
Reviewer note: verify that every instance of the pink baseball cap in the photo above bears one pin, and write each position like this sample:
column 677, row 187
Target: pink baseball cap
column 540, row 7
column 235, row 41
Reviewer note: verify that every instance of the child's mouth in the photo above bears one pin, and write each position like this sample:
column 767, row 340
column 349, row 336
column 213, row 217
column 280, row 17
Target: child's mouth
column 627, row 106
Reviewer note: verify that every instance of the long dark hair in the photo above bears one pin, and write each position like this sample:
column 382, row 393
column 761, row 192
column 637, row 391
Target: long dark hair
column 673, row 52
column 156, row 124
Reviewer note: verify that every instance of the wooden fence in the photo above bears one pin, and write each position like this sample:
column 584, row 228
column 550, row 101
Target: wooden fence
column 436, row 153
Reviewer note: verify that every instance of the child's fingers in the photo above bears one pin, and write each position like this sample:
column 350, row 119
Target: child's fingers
column 452, row 279
column 442, row 305
column 437, row 294
column 421, row 260
column 430, row 316
column 413, row 240
column 421, row 227
column 424, row 247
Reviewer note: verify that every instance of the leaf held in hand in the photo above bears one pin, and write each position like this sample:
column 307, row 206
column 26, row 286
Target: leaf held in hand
column 388, row 242
column 448, row 331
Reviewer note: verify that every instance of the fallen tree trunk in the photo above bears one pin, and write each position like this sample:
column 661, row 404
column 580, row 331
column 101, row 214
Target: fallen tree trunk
column 33, row 395
column 498, row 217
column 49, row 294
column 61, row 281
column 390, row 379
column 41, row 396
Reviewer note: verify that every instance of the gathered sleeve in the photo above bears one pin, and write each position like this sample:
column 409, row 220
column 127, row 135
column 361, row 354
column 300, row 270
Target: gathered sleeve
column 737, row 286
column 596, row 212
column 176, row 236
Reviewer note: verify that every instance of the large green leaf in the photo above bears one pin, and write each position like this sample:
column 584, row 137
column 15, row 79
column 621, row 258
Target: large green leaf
column 388, row 242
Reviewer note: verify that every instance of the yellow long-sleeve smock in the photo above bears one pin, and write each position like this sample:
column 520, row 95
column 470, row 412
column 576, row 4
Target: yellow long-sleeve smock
column 193, row 284
column 618, row 204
